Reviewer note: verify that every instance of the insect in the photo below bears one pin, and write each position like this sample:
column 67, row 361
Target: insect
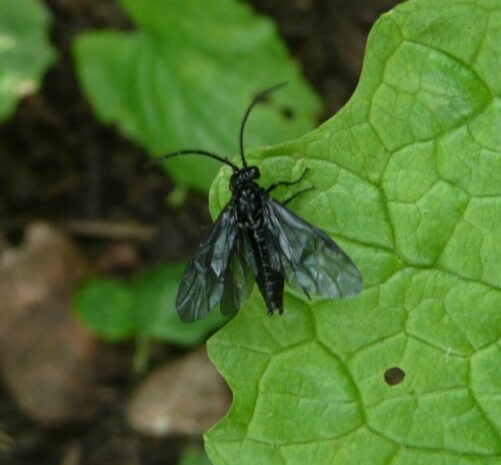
column 256, row 238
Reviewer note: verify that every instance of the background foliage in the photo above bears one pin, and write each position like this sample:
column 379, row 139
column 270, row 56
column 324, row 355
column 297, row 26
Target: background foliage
column 25, row 52
column 179, row 81
column 144, row 310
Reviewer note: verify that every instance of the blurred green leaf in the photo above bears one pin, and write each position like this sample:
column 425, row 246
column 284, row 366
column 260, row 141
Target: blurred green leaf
column 407, row 180
column 144, row 309
column 194, row 455
column 106, row 306
column 184, row 77
column 25, row 51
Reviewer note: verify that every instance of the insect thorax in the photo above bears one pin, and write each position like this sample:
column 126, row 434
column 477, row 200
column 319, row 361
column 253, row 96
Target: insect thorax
column 248, row 200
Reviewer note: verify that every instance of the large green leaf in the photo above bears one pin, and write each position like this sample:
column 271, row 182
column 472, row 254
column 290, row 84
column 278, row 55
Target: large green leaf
column 408, row 181
column 25, row 51
column 183, row 78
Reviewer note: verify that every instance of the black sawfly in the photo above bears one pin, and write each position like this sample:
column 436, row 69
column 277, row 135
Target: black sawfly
column 256, row 238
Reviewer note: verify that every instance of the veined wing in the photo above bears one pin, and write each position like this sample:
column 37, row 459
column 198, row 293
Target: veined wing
column 239, row 277
column 203, row 282
column 309, row 258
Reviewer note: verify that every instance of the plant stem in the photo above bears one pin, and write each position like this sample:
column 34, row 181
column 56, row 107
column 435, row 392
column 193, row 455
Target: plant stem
column 141, row 354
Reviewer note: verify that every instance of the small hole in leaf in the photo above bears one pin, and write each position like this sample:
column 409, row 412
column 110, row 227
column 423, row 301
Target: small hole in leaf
column 394, row 376
column 288, row 112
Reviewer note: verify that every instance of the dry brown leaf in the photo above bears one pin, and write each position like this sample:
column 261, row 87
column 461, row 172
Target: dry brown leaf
column 186, row 396
column 47, row 360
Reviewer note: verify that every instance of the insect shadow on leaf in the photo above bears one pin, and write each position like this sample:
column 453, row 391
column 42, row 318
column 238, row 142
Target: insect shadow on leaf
column 256, row 238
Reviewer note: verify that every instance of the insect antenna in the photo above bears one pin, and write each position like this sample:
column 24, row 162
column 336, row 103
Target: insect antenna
column 258, row 98
column 193, row 152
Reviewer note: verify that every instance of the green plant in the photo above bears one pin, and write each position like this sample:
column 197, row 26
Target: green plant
column 194, row 455
column 143, row 309
column 183, row 78
column 25, row 51
column 407, row 179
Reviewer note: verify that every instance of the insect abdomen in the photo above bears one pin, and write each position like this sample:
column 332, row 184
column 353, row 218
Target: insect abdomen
column 270, row 281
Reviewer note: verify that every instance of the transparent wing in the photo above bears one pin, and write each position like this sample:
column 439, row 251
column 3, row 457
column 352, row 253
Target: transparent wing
column 311, row 261
column 203, row 282
column 239, row 278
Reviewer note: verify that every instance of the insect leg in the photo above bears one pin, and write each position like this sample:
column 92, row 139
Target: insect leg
column 293, row 196
column 286, row 183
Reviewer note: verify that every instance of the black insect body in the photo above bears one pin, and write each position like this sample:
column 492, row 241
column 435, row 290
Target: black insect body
column 256, row 238
column 248, row 200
